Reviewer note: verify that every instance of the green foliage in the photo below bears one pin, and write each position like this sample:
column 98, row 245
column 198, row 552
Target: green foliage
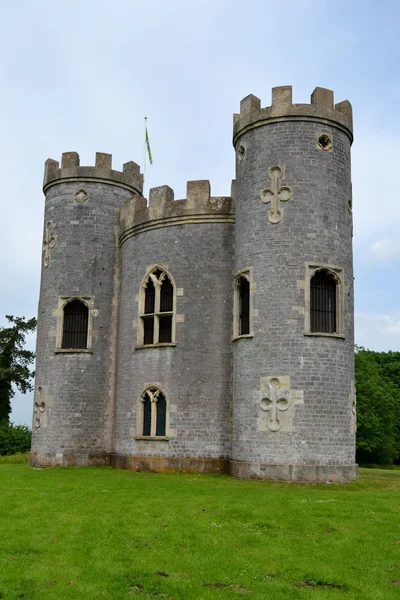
column 98, row 533
column 378, row 406
column 14, row 438
column 19, row 458
column 15, row 361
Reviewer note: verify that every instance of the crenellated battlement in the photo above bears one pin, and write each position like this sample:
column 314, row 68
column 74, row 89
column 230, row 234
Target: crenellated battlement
column 163, row 211
column 129, row 178
column 322, row 109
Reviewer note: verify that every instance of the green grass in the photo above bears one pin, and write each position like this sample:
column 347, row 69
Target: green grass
column 94, row 533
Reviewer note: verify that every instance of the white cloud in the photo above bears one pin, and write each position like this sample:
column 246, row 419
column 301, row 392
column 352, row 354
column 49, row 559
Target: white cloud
column 385, row 250
column 377, row 331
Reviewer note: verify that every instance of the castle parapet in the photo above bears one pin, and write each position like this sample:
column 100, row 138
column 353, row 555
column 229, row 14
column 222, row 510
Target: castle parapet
column 322, row 109
column 163, row 211
column 129, row 178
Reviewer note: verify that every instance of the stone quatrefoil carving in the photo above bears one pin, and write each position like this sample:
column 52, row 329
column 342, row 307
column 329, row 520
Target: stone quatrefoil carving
column 275, row 402
column 275, row 194
column 81, row 196
column 49, row 242
column 40, row 407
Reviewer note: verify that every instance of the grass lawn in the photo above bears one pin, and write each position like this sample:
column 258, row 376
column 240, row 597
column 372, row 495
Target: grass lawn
column 93, row 533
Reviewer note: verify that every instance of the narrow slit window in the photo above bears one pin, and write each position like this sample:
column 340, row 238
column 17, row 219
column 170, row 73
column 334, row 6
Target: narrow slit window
column 244, row 306
column 75, row 325
column 323, row 309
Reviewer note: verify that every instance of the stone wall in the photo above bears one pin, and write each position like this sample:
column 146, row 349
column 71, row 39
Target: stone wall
column 195, row 245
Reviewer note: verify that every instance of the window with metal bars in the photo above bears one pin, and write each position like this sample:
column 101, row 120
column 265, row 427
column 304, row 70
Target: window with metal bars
column 75, row 325
column 157, row 309
column 154, row 413
column 323, row 300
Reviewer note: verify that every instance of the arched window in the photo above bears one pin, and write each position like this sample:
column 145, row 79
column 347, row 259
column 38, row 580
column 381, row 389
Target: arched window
column 75, row 325
column 242, row 305
column 323, row 303
column 153, row 418
column 157, row 309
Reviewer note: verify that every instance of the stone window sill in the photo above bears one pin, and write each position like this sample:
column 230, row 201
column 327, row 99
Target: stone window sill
column 241, row 337
column 73, row 351
column 158, row 438
column 321, row 334
column 166, row 345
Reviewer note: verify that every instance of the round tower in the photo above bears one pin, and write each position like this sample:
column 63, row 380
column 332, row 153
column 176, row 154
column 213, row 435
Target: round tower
column 76, row 338
column 293, row 349
column 174, row 358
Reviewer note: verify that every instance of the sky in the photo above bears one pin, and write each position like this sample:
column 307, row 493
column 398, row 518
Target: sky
column 82, row 76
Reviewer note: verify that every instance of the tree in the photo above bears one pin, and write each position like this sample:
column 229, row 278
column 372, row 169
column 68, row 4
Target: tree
column 378, row 406
column 15, row 362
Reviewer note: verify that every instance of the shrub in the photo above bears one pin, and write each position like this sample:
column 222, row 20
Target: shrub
column 20, row 458
column 14, row 438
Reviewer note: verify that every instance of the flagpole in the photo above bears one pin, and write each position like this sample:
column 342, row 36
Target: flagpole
column 144, row 147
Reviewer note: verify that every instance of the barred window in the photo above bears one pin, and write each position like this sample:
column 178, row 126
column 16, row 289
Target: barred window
column 154, row 413
column 157, row 309
column 75, row 325
column 323, row 300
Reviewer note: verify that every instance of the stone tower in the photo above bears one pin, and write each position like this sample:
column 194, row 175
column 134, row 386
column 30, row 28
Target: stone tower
column 293, row 373
column 191, row 240
column 208, row 333
column 75, row 388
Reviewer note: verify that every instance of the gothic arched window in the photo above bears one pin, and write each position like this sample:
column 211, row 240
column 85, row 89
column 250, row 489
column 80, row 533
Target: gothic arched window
column 153, row 415
column 75, row 325
column 323, row 303
column 157, row 309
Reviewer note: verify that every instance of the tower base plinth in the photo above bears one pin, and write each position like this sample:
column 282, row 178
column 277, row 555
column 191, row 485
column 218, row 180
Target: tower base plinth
column 294, row 472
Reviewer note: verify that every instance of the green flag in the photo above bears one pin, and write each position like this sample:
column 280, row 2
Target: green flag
column 148, row 147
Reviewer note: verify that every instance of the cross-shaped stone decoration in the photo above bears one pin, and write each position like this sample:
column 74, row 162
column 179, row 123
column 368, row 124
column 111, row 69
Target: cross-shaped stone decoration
column 40, row 407
column 49, row 242
column 275, row 402
column 275, row 195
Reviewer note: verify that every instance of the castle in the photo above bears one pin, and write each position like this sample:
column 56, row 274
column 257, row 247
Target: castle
column 211, row 333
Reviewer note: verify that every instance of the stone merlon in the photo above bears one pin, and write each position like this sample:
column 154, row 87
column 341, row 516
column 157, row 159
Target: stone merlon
column 322, row 109
column 163, row 211
column 130, row 178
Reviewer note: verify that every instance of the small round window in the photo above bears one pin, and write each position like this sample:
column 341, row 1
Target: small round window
column 325, row 141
